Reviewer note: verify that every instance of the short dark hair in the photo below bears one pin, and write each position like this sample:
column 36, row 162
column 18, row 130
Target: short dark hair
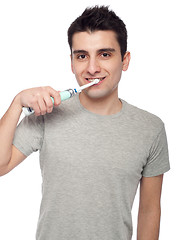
column 100, row 18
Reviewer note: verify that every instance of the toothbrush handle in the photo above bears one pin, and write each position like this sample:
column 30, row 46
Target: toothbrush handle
column 64, row 96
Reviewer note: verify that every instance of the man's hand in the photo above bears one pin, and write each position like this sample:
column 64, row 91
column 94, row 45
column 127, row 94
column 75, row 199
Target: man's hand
column 39, row 99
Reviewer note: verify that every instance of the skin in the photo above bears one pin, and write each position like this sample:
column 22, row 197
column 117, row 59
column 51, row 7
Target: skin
column 94, row 55
column 149, row 208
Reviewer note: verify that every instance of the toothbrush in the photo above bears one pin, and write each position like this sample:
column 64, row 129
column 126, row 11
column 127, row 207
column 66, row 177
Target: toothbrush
column 64, row 95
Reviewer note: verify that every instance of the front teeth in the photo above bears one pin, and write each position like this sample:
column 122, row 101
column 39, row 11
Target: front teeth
column 91, row 80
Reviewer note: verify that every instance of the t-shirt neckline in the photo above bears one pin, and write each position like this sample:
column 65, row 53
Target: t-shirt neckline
column 95, row 115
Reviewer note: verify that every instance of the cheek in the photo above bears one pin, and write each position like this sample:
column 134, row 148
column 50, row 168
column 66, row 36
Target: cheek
column 76, row 68
column 72, row 66
column 114, row 69
column 116, row 73
column 118, row 67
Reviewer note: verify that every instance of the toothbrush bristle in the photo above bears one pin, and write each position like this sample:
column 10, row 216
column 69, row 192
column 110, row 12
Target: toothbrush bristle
column 96, row 80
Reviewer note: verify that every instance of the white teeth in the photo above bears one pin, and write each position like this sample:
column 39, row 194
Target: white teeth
column 91, row 80
column 94, row 80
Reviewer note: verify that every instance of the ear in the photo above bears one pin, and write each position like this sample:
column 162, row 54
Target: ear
column 126, row 61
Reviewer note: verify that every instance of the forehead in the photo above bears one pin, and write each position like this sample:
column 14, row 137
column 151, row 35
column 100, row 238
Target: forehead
column 94, row 40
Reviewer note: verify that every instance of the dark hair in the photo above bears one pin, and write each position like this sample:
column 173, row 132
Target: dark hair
column 100, row 18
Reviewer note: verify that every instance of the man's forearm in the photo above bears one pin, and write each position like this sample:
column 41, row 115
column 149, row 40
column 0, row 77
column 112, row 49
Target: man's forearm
column 148, row 225
column 7, row 129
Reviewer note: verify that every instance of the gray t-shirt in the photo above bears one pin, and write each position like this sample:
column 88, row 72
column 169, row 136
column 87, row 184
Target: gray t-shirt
column 91, row 166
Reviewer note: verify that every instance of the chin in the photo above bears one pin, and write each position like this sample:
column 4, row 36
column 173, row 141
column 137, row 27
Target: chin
column 97, row 94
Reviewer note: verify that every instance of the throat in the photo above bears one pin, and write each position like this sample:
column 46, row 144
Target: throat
column 102, row 106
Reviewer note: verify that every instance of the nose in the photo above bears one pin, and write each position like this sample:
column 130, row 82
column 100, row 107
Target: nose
column 93, row 66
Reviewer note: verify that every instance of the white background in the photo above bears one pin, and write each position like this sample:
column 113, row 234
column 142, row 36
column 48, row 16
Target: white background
column 34, row 52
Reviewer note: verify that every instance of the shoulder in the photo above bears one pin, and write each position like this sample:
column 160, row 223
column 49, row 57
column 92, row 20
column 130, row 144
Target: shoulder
column 143, row 119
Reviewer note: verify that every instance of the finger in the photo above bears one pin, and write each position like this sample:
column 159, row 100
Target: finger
column 36, row 109
column 42, row 106
column 33, row 103
column 48, row 103
column 55, row 94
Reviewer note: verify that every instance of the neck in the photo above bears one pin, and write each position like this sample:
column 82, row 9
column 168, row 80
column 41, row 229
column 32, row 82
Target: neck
column 103, row 106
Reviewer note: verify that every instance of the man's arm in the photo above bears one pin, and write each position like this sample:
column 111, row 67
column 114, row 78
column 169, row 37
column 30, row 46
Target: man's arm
column 37, row 98
column 149, row 208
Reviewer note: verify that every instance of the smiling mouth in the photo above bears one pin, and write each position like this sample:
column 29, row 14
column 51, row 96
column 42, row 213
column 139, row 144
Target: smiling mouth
column 92, row 79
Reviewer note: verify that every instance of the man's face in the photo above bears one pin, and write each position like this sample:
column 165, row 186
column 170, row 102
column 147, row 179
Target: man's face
column 97, row 55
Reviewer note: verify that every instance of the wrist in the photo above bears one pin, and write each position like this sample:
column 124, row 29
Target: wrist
column 17, row 103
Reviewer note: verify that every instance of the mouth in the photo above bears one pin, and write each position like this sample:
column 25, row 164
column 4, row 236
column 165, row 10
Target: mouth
column 92, row 79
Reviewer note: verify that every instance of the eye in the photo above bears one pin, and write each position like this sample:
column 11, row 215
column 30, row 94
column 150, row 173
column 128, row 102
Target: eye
column 105, row 55
column 81, row 57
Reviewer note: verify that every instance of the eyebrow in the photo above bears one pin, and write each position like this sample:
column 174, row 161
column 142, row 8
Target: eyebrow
column 106, row 50
column 99, row 50
column 79, row 51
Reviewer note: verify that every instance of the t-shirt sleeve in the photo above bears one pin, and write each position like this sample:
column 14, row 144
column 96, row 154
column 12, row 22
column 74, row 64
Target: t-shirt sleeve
column 29, row 134
column 158, row 160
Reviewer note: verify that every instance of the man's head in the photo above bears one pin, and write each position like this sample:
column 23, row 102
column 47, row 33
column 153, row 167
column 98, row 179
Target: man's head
column 98, row 42
column 100, row 18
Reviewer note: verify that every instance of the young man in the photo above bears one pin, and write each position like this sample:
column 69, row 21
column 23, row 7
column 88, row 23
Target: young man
column 94, row 148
